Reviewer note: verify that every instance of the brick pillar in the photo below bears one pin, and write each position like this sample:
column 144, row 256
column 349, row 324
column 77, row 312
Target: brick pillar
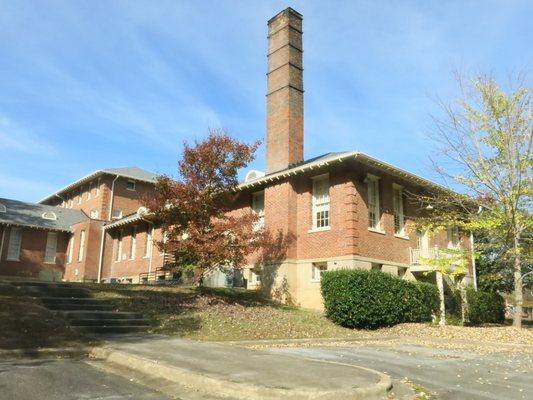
column 284, row 130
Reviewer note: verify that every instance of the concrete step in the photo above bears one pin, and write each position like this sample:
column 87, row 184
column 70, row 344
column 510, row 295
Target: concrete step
column 74, row 306
column 106, row 329
column 44, row 291
column 90, row 314
column 77, row 300
column 108, row 322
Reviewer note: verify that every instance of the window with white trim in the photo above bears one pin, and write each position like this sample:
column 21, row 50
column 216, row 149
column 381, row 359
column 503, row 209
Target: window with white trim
column 453, row 237
column 118, row 254
column 133, row 243
column 317, row 269
column 97, row 193
column 51, row 248
column 258, row 207
column 3, row 208
column 70, row 249
column 116, row 214
column 130, row 184
column 94, row 213
column 148, row 243
column 81, row 249
column 90, row 192
column 320, row 206
column 255, row 276
column 80, row 194
column 374, row 214
column 13, row 247
column 397, row 200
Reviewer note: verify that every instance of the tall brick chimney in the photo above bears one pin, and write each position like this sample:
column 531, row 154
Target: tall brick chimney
column 285, row 123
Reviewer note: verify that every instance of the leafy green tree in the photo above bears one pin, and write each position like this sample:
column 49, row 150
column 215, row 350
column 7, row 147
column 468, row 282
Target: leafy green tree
column 485, row 140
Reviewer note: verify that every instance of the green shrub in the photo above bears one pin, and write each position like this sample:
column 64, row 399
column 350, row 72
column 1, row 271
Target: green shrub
column 484, row 307
column 370, row 299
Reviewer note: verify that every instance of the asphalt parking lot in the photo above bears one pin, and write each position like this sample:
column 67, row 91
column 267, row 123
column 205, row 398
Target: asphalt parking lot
column 448, row 374
column 66, row 379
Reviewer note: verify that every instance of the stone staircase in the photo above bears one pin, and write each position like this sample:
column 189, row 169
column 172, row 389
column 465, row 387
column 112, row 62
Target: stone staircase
column 83, row 313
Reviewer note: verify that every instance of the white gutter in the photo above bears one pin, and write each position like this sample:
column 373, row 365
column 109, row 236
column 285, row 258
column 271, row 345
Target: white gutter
column 101, row 259
column 2, row 242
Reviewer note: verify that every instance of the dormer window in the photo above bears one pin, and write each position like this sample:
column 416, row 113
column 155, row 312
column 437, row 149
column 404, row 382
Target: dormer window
column 49, row 215
column 3, row 208
column 130, row 184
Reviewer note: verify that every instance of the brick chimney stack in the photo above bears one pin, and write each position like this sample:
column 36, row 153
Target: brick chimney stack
column 284, row 130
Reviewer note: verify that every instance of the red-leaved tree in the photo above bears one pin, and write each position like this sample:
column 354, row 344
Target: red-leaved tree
column 194, row 209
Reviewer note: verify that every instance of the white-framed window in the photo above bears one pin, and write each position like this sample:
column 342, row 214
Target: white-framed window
column 133, row 243
column 90, row 192
column 255, row 276
column 165, row 240
column 374, row 213
column 453, row 237
column 15, row 241
column 97, row 192
column 70, row 203
column 320, row 206
column 118, row 255
column 51, row 248
column 49, row 215
column 81, row 249
column 397, row 200
column 148, row 244
column 80, row 195
column 317, row 269
column 3, row 208
column 258, row 207
column 70, row 249
column 94, row 213
column 422, row 239
column 130, row 184
column 117, row 213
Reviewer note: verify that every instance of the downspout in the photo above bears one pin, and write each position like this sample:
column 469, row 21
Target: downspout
column 101, row 259
column 102, row 240
column 474, row 273
column 2, row 241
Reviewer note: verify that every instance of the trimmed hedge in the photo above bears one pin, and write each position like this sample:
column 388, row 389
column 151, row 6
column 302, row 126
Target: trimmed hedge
column 357, row 298
column 484, row 307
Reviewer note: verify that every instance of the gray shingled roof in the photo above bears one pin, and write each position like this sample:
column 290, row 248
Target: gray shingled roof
column 136, row 173
column 31, row 215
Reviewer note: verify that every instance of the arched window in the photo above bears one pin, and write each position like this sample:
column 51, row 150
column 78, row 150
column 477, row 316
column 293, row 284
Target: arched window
column 49, row 215
column 3, row 208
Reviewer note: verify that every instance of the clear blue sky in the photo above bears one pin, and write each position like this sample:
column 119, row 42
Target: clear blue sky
column 94, row 84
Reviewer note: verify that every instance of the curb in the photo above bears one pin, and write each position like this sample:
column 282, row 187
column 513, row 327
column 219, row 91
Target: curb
column 226, row 388
column 66, row 352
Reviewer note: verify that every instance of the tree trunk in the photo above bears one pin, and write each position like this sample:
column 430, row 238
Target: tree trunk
column 440, row 285
column 518, row 294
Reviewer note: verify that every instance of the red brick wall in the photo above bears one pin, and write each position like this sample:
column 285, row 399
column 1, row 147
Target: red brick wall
column 32, row 252
column 87, row 268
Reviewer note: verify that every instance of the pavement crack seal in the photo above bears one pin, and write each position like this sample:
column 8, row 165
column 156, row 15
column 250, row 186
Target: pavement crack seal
column 226, row 388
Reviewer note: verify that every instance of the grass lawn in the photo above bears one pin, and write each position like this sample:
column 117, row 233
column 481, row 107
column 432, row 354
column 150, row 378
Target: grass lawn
column 220, row 314
column 26, row 324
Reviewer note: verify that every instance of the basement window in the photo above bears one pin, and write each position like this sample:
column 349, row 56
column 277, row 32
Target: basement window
column 317, row 270
column 117, row 213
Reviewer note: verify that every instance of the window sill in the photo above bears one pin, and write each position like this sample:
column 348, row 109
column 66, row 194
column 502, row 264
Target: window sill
column 50, row 263
column 377, row 231
column 404, row 237
column 315, row 281
column 13, row 259
column 323, row 229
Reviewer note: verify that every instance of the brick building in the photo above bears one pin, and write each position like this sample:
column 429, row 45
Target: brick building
column 340, row 210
